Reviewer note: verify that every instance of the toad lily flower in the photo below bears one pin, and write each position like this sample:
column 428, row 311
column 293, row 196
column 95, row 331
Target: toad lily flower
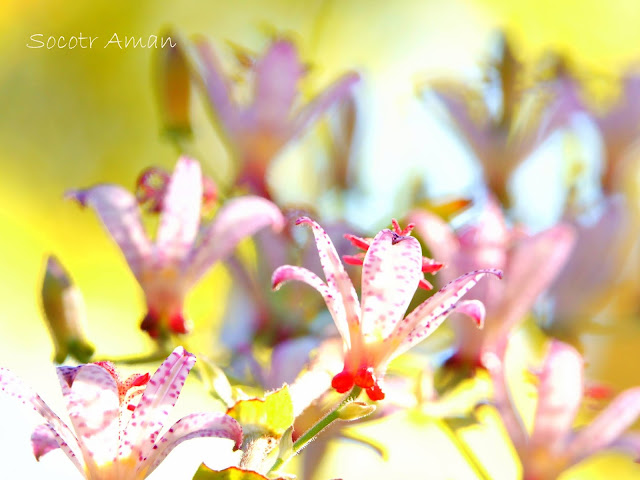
column 258, row 131
column 374, row 332
column 553, row 445
column 115, row 423
column 183, row 250
column 530, row 263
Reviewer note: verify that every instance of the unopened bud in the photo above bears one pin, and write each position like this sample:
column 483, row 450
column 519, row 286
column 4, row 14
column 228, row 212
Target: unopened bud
column 355, row 410
column 174, row 87
column 65, row 314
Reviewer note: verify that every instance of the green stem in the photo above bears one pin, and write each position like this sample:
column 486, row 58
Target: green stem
column 310, row 434
column 466, row 452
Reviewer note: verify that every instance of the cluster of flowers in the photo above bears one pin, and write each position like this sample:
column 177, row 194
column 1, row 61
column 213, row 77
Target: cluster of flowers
column 116, row 424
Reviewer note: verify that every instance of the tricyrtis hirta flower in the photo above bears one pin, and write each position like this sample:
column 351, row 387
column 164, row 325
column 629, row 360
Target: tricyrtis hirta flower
column 374, row 331
column 258, row 130
column 115, row 423
column 553, row 445
column 530, row 263
column 183, row 250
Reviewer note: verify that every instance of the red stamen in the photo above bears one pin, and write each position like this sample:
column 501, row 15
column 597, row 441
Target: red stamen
column 177, row 324
column 363, row 243
column 141, row 380
column 425, row 284
column 353, row 259
column 431, row 266
column 375, row 393
column 151, row 324
column 343, row 382
column 365, row 377
column 402, row 231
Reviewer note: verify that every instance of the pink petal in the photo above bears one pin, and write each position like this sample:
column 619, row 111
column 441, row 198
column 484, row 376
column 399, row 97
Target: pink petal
column 236, row 220
column 158, row 399
column 337, row 278
column 120, row 215
column 559, row 396
column 428, row 316
column 196, row 425
column 288, row 360
column 437, row 234
column 474, row 309
column 93, row 403
column 494, row 363
column 180, row 211
column 277, row 75
column 533, row 264
column 608, row 426
column 218, row 88
column 43, row 440
column 14, row 387
column 336, row 308
column 333, row 94
column 391, row 272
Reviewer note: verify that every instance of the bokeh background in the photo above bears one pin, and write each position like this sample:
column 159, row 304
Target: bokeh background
column 73, row 118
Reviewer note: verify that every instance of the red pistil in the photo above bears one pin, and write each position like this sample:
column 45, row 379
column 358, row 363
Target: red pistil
column 151, row 324
column 375, row 393
column 364, row 378
column 343, row 382
column 177, row 324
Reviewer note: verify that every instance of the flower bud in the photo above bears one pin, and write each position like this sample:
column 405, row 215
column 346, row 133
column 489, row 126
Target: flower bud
column 174, row 88
column 355, row 410
column 65, row 314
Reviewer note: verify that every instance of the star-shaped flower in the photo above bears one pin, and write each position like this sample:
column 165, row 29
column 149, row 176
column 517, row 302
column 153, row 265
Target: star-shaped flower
column 183, row 250
column 553, row 445
column 115, row 423
column 374, row 332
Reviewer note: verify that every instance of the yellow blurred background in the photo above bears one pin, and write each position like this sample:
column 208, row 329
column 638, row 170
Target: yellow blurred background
column 73, row 118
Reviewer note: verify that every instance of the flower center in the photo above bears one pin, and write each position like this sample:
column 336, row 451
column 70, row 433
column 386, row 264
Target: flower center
column 364, row 378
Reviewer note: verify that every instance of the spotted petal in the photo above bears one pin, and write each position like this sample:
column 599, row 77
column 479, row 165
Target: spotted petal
column 196, row 425
column 391, row 272
column 559, row 396
column 43, row 440
column 120, row 215
column 13, row 386
column 236, row 220
column 158, row 399
column 428, row 316
column 608, row 426
column 180, row 211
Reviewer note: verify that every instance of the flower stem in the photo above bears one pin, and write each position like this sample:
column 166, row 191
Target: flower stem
column 310, row 434
column 464, row 449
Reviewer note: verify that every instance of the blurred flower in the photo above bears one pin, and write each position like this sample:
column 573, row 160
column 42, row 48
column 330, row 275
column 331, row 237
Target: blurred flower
column 553, row 445
column 502, row 138
column 183, row 250
column 529, row 263
column 65, row 314
column 258, row 131
column 374, row 333
column 115, row 423
column 590, row 276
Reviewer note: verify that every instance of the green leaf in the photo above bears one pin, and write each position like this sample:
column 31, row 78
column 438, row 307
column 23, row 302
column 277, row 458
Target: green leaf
column 271, row 416
column 232, row 473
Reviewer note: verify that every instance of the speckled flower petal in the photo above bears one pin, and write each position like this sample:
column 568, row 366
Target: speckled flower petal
column 93, row 403
column 391, row 271
column 196, row 425
column 608, row 426
column 336, row 308
column 559, row 396
column 158, row 399
column 428, row 316
column 13, row 386
column 43, row 440
column 236, row 220
column 180, row 211
column 118, row 210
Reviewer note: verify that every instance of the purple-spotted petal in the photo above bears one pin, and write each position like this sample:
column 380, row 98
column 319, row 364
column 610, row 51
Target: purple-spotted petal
column 14, row 387
column 43, row 440
column 559, row 396
column 180, row 212
column 337, row 278
column 428, row 316
column 277, row 75
column 158, row 399
column 608, row 426
column 391, row 271
column 286, row 273
column 93, row 404
column 335, row 93
column 120, row 215
column 218, row 88
column 236, row 220
column 196, row 425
